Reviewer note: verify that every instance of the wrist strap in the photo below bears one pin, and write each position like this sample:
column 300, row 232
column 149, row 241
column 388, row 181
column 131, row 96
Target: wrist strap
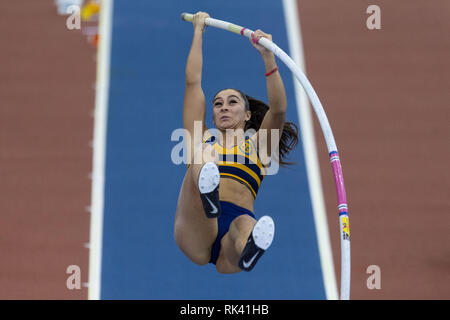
column 270, row 72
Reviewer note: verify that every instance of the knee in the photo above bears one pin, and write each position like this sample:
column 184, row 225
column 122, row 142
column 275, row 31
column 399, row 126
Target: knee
column 221, row 269
column 199, row 258
column 196, row 255
column 224, row 267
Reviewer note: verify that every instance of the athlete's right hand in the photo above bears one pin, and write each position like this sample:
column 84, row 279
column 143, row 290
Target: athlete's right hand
column 199, row 20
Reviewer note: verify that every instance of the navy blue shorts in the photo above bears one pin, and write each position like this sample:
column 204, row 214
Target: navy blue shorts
column 228, row 212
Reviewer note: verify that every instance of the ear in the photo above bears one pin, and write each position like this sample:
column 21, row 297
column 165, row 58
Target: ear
column 249, row 115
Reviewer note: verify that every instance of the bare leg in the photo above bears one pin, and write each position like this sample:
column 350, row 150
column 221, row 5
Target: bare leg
column 233, row 243
column 194, row 232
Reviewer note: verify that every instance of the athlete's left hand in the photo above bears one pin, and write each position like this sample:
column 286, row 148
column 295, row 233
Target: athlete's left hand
column 258, row 34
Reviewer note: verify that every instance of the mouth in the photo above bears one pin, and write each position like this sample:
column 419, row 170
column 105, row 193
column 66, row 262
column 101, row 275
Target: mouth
column 224, row 118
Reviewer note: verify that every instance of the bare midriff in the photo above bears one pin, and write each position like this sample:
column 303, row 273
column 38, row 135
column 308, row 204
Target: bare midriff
column 235, row 192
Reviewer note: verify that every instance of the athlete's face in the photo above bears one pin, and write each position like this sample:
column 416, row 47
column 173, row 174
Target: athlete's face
column 229, row 110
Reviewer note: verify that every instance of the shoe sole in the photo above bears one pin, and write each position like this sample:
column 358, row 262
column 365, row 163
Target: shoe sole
column 209, row 177
column 263, row 232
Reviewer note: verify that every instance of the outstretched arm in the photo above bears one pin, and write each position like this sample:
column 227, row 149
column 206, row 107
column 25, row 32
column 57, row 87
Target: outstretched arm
column 194, row 106
column 275, row 116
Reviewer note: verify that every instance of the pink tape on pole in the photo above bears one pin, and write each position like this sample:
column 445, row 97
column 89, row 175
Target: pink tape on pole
column 339, row 180
column 242, row 31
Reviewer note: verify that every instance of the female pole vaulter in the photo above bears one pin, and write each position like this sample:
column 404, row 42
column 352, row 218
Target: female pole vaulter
column 215, row 221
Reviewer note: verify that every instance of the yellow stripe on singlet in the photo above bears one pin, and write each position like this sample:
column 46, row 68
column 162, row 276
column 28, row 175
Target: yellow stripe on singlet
column 242, row 167
column 239, row 179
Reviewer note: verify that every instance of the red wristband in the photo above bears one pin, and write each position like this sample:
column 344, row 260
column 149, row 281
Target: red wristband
column 273, row 71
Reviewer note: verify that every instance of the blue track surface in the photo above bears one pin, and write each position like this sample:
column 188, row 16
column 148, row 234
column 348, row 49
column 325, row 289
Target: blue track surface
column 140, row 259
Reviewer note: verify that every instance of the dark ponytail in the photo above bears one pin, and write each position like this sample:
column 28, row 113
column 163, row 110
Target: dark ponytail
column 289, row 135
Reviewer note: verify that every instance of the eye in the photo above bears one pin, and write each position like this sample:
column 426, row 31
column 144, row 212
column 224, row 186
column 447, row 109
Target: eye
column 217, row 104
column 233, row 101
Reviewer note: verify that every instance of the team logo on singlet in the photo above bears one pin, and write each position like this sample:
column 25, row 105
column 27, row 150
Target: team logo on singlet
column 246, row 148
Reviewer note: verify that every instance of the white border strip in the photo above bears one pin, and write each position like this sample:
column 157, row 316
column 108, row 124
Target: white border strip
column 310, row 152
column 99, row 151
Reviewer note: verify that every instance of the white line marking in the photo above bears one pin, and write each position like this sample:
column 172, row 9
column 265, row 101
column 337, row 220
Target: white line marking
column 99, row 152
column 310, row 152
